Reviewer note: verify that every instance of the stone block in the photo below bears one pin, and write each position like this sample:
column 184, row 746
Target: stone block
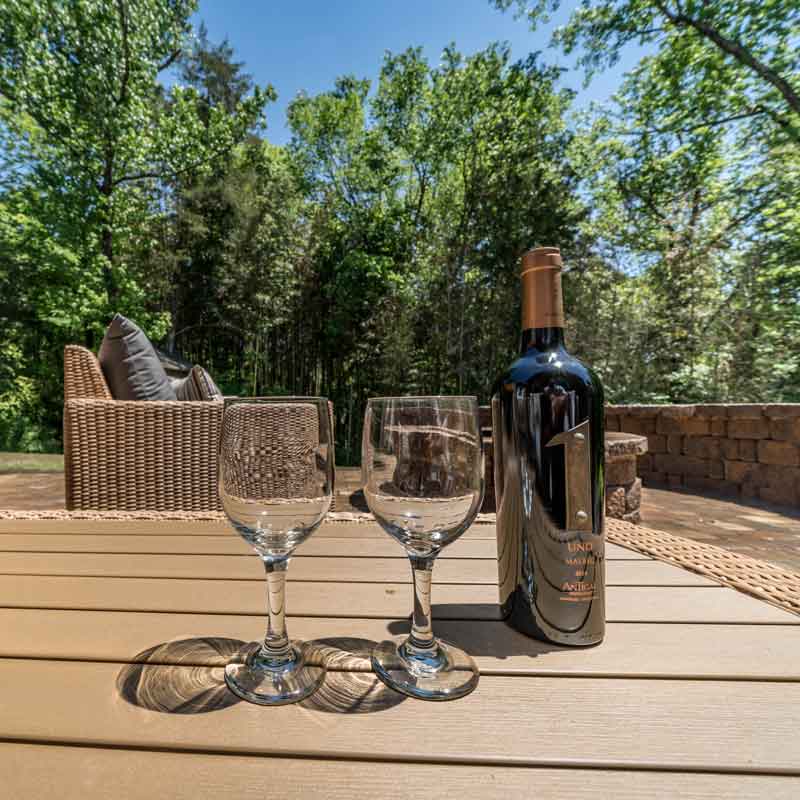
column 785, row 479
column 741, row 472
column 671, row 464
column 728, row 488
column 703, row 447
column 716, row 410
column 657, row 443
column 622, row 471
column 716, row 469
column 654, row 478
column 640, row 425
column 785, row 429
column 780, row 453
column 784, row 496
column 675, row 411
column 748, row 489
column 730, row 449
column 675, row 444
column 615, row 501
column 782, row 410
column 633, row 497
column 612, row 423
column 719, row 427
column 748, row 428
column 644, row 464
column 669, row 425
column 696, row 426
column 745, row 410
column 747, row 450
column 684, row 465
column 674, row 481
column 624, row 445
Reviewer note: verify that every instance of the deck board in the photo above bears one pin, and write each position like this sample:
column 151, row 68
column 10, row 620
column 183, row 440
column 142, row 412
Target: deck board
column 75, row 773
column 694, row 693
column 230, row 544
column 310, row 568
column 345, row 600
column 649, row 650
column 707, row 725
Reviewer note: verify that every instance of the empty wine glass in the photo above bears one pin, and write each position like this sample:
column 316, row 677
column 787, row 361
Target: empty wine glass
column 423, row 482
column 276, row 485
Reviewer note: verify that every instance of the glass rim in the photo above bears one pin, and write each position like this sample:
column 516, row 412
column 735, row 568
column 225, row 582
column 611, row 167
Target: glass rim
column 426, row 397
column 292, row 398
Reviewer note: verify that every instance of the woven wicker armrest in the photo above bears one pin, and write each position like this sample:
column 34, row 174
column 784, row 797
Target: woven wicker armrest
column 159, row 456
column 83, row 377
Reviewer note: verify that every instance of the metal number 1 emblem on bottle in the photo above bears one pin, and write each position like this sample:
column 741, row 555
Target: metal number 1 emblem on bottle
column 547, row 418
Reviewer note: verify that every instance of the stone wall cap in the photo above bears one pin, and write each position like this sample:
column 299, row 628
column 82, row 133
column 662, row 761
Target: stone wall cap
column 782, row 409
column 740, row 410
column 652, row 410
column 622, row 445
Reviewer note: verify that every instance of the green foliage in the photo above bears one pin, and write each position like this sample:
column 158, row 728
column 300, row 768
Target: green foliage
column 377, row 253
column 693, row 173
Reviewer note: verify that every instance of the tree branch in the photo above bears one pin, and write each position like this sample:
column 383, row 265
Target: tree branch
column 169, row 60
column 126, row 53
column 139, row 176
column 691, row 128
column 737, row 50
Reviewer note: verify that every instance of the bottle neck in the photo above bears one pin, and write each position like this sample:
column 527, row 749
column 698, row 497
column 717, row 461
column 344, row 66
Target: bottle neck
column 541, row 339
column 542, row 304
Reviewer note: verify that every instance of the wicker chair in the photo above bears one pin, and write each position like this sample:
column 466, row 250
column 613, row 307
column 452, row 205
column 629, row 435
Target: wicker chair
column 135, row 456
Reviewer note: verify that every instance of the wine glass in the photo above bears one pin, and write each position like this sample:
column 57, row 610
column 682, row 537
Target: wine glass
column 276, row 486
column 423, row 481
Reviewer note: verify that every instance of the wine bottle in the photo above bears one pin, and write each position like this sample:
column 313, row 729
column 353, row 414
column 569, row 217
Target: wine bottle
column 547, row 427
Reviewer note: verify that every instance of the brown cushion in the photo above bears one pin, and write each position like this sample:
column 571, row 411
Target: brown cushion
column 197, row 385
column 130, row 364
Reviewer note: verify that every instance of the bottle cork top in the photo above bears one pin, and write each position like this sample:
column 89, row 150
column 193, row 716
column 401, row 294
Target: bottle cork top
column 541, row 258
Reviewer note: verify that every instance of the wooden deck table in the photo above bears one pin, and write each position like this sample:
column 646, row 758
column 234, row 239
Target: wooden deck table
column 113, row 635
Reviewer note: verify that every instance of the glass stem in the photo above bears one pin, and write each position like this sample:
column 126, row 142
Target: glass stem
column 276, row 650
column 421, row 638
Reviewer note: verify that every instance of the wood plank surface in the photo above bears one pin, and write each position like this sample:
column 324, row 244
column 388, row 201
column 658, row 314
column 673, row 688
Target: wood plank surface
column 316, row 568
column 694, row 681
column 345, row 600
column 75, row 773
column 684, row 725
column 112, row 527
column 652, row 650
column 231, row 544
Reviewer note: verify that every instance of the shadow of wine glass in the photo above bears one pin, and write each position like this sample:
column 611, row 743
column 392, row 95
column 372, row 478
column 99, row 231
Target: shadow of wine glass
column 478, row 630
column 181, row 677
column 350, row 686
column 187, row 677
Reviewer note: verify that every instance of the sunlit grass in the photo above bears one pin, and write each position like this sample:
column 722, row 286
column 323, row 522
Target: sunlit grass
column 31, row 462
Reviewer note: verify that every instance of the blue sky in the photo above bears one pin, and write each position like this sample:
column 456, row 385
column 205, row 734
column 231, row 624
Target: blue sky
column 303, row 46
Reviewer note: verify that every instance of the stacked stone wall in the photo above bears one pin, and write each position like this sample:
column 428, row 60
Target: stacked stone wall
column 744, row 450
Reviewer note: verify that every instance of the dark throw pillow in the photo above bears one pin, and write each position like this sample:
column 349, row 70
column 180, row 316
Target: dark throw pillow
column 131, row 365
column 197, row 385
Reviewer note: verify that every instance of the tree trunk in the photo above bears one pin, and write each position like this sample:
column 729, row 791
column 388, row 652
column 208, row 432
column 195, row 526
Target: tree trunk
column 106, row 233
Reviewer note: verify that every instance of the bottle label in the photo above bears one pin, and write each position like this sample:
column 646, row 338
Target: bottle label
column 577, row 476
column 549, row 517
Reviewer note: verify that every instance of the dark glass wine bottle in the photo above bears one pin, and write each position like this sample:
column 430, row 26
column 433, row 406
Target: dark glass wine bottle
column 547, row 421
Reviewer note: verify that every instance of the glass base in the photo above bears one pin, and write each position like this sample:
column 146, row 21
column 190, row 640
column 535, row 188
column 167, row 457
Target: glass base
column 444, row 673
column 253, row 678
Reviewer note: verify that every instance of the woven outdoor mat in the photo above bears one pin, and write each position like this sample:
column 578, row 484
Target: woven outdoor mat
column 767, row 582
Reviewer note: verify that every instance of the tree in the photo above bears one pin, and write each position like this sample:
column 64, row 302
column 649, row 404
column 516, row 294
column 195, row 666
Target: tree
column 79, row 84
column 715, row 63
column 92, row 143
column 692, row 181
